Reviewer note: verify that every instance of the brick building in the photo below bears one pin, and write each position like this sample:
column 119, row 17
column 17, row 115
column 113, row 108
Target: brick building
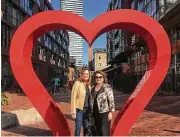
column 135, row 52
column 50, row 54
column 99, row 59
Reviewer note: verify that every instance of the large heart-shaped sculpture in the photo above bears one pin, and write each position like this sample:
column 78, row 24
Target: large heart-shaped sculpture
column 148, row 28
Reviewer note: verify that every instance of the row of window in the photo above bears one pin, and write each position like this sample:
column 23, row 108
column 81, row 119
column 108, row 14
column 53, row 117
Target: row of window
column 140, row 67
column 27, row 5
column 46, row 7
column 153, row 8
column 12, row 14
column 64, row 42
column 15, row 17
column 144, row 66
column 49, row 42
column 146, row 6
column 42, row 56
column 38, row 2
column 174, row 33
column 175, row 63
column 5, row 36
column 58, row 50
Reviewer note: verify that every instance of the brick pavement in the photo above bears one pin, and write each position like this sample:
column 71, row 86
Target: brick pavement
column 157, row 119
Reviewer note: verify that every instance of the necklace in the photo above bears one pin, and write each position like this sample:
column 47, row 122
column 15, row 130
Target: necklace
column 97, row 88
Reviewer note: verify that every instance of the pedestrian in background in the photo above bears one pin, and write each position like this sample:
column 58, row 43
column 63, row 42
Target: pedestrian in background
column 56, row 85
column 52, row 85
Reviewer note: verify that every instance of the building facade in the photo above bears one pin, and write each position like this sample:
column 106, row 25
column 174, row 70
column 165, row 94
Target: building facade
column 76, row 41
column 167, row 12
column 99, row 58
column 50, row 54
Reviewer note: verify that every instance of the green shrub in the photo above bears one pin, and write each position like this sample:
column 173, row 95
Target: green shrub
column 5, row 99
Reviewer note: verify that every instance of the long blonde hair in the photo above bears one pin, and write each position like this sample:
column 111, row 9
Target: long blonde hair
column 88, row 82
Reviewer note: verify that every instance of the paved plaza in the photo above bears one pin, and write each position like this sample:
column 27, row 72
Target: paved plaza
column 161, row 116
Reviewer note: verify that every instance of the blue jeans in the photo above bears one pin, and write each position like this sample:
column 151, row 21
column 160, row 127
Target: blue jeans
column 81, row 120
column 56, row 89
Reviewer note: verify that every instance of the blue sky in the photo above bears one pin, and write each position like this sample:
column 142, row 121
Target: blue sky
column 91, row 9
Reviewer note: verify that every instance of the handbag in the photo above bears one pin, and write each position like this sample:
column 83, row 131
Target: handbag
column 90, row 129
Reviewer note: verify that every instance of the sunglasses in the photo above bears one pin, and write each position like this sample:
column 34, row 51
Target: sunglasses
column 100, row 77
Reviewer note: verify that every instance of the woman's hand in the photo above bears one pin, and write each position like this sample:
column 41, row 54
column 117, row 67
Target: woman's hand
column 74, row 116
column 110, row 116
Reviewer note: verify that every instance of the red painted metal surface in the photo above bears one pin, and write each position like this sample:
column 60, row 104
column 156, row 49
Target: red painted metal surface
column 149, row 29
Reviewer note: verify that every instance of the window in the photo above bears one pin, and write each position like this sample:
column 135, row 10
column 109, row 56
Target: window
column 49, row 42
column 132, row 5
column 12, row 14
column 174, row 33
column 7, row 39
column 8, row 12
column 177, row 58
column 149, row 9
column 3, row 31
column 56, row 48
column 99, row 57
column 46, row 7
column 173, row 59
column 19, row 18
column 22, row 3
column 30, row 7
column 38, row 2
column 52, row 34
column 169, row 3
column 14, row 17
column 161, row 7
column 27, row 5
column 5, row 36
column 154, row 7
column 116, row 5
column 178, row 32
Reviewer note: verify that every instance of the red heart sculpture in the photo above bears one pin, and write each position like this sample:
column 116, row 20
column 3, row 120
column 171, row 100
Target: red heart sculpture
column 148, row 28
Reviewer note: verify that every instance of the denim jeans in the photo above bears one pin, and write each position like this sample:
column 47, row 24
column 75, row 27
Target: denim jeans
column 81, row 120
column 56, row 89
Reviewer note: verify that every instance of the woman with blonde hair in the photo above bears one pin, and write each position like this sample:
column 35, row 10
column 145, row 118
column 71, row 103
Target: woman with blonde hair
column 103, row 103
column 81, row 101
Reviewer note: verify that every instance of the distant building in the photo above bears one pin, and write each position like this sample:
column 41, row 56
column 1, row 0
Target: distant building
column 50, row 54
column 127, row 52
column 75, row 41
column 100, row 58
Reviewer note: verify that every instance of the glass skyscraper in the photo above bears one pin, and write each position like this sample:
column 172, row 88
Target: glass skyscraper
column 76, row 41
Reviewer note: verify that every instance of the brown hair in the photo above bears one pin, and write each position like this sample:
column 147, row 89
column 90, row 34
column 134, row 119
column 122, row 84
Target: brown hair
column 102, row 73
column 81, row 74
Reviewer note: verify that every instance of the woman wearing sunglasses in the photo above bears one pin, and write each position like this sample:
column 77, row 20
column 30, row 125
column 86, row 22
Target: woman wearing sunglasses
column 103, row 103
